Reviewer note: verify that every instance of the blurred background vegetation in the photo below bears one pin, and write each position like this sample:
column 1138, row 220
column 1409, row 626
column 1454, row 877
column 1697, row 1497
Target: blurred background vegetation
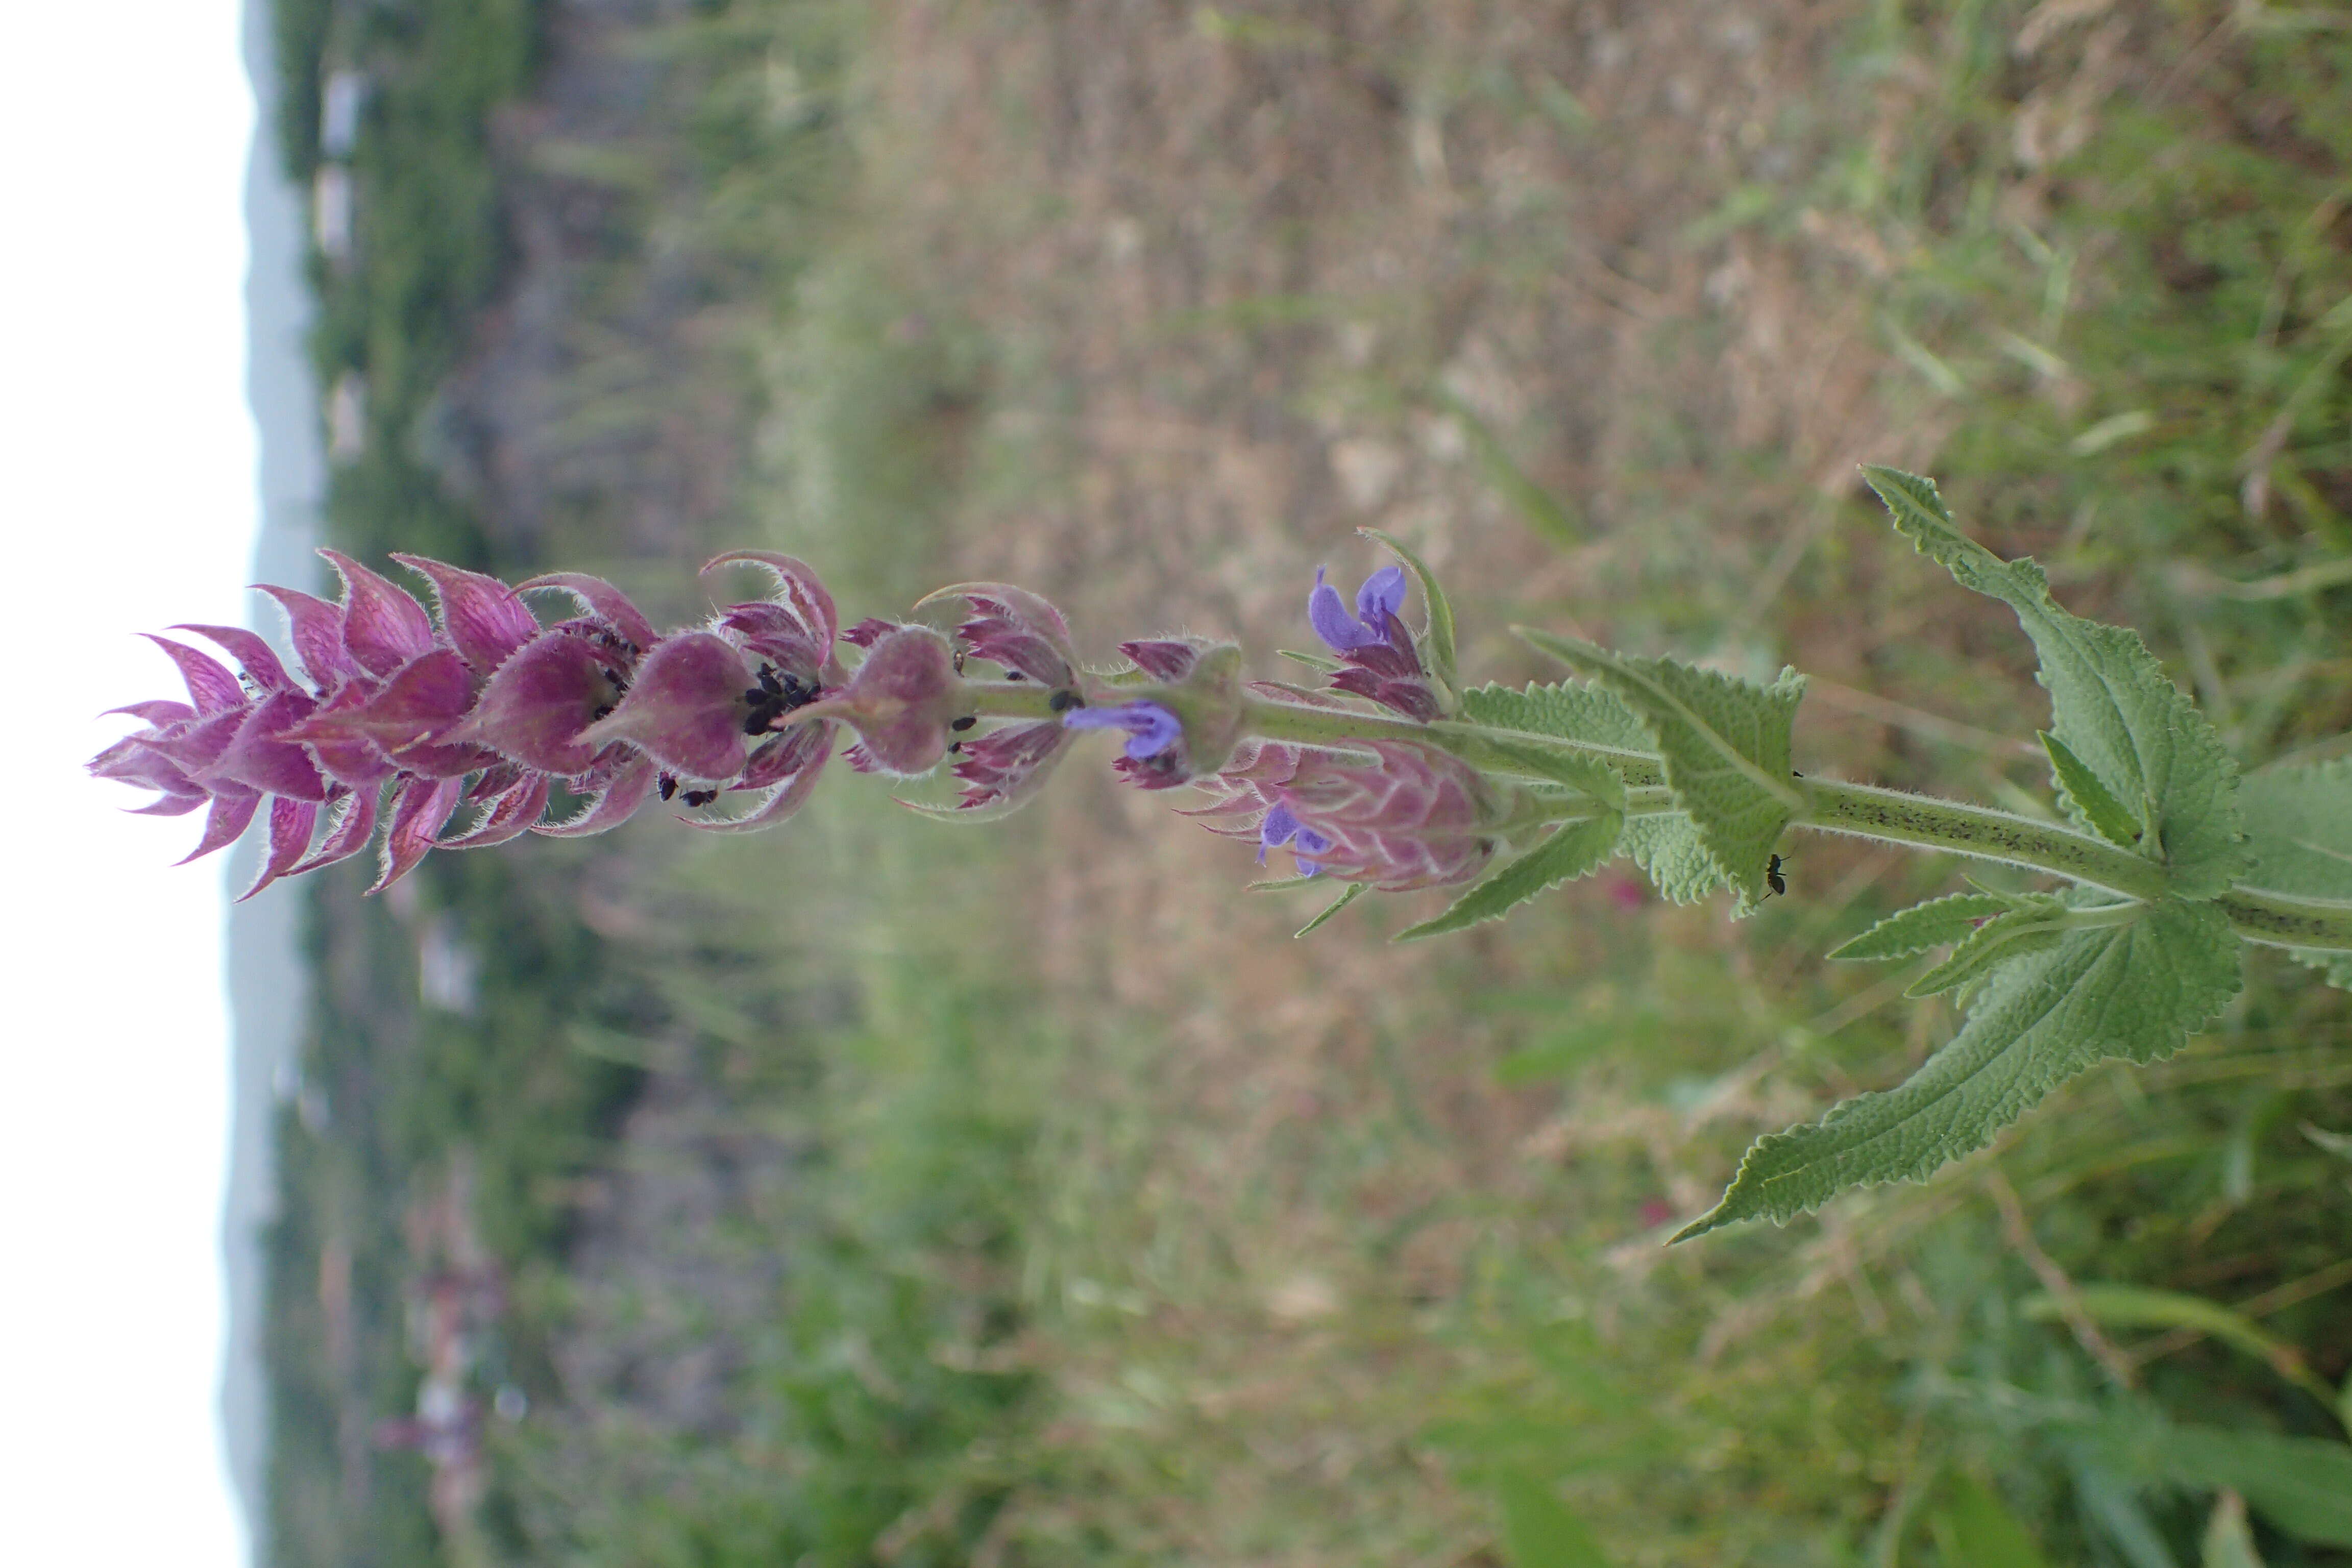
column 869, row 1193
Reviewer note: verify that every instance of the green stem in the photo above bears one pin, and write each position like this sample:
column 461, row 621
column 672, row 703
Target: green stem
column 1554, row 804
column 1480, row 745
column 1894, row 817
column 1010, row 699
column 1860, row 811
column 2274, row 920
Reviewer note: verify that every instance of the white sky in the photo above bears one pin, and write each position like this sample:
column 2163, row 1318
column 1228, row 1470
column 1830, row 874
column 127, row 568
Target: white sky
column 128, row 504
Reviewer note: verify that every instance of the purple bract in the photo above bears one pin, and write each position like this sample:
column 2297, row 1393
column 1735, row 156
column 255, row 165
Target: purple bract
column 1396, row 815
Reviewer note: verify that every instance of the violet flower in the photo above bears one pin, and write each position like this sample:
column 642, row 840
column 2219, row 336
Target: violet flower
column 1009, row 762
column 1373, row 643
column 1281, row 827
column 1155, row 755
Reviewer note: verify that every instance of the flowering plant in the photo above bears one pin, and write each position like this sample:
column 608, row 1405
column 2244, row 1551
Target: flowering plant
column 477, row 721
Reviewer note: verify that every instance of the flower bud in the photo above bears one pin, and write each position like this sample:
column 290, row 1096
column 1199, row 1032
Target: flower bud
column 900, row 701
column 1396, row 815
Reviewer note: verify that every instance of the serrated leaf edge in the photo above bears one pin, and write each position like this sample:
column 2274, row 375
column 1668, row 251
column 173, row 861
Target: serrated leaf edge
column 1588, row 846
column 1577, row 654
column 2009, row 935
column 1992, row 903
column 2090, row 793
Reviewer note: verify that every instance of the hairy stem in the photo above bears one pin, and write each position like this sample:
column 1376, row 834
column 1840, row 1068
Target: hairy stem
column 2274, row 920
column 1860, row 811
column 1865, row 811
column 1010, row 699
column 1480, row 745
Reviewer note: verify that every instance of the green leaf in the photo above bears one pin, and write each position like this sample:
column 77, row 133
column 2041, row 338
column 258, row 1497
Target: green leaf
column 1538, row 1532
column 1355, row 890
column 1437, row 638
column 1571, row 710
column 2229, row 1543
column 1314, row 661
column 2084, row 796
column 2110, row 701
column 2302, row 1485
column 1586, row 775
column 1726, row 746
column 2299, row 841
column 2009, row 935
column 1573, row 849
column 1938, row 922
column 1978, row 1529
column 2133, row 991
column 1667, row 848
column 2299, row 830
column 2136, row 1307
column 2114, row 1508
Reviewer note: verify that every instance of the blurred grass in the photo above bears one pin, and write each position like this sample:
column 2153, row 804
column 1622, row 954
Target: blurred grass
column 1046, row 1298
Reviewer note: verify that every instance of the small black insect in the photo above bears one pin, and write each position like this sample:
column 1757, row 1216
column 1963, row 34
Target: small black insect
column 774, row 697
column 1772, row 878
column 955, row 748
column 699, row 798
column 1015, row 675
column 1063, row 701
column 966, row 722
column 668, row 785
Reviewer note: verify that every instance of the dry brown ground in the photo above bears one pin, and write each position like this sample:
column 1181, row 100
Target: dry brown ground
column 1242, row 264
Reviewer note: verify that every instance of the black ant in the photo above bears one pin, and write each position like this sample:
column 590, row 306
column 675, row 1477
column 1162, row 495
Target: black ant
column 668, row 785
column 773, row 697
column 699, row 798
column 1772, row 878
